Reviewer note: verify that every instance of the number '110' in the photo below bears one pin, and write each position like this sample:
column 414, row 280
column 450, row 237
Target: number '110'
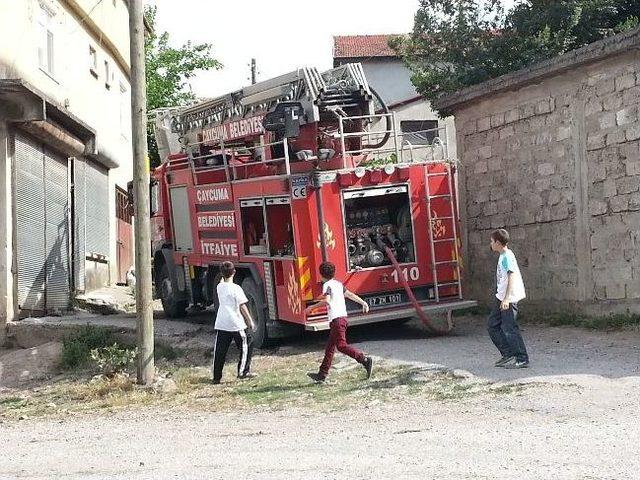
column 412, row 273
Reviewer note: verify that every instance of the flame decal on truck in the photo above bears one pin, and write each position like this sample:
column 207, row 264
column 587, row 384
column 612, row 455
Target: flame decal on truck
column 438, row 228
column 328, row 236
column 293, row 291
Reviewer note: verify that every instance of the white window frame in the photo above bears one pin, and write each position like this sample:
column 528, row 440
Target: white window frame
column 93, row 61
column 125, row 112
column 417, row 132
column 46, row 41
column 107, row 75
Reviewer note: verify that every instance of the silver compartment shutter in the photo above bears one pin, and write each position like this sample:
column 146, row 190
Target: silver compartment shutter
column 56, row 190
column 79, row 223
column 30, row 223
column 180, row 219
column 97, row 209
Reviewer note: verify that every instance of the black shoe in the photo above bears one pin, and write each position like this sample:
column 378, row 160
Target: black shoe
column 503, row 361
column 247, row 375
column 368, row 366
column 215, row 382
column 518, row 364
column 316, row 377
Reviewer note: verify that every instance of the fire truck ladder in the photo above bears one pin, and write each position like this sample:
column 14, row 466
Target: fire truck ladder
column 452, row 240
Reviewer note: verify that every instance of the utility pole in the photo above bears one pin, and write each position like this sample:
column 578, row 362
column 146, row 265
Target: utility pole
column 253, row 71
column 144, row 307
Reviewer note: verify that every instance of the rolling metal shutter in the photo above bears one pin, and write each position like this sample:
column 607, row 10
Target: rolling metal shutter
column 79, row 223
column 42, row 227
column 97, row 209
column 30, row 224
column 56, row 189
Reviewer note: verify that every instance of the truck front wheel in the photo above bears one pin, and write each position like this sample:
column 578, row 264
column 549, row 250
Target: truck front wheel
column 173, row 308
column 256, row 308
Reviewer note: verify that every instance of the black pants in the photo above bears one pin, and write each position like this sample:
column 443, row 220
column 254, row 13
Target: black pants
column 221, row 343
column 505, row 333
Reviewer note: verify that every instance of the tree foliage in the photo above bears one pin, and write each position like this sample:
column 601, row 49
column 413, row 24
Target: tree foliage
column 458, row 43
column 168, row 70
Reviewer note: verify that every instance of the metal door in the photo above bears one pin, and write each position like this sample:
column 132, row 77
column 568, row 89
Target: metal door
column 125, row 234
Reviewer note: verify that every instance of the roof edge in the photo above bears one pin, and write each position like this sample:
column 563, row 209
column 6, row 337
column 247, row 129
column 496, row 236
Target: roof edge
column 591, row 53
column 368, row 57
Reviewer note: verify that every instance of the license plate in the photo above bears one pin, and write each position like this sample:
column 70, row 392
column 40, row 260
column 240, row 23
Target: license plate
column 384, row 300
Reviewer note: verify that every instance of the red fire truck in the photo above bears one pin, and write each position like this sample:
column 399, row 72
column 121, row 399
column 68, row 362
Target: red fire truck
column 293, row 171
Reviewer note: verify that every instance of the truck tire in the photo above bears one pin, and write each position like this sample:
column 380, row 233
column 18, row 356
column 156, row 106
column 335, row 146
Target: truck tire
column 214, row 295
column 173, row 308
column 256, row 308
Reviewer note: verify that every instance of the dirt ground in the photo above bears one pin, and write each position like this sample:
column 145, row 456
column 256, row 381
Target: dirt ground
column 547, row 432
column 577, row 419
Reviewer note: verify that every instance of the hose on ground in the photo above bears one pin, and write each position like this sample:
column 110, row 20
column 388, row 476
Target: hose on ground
column 426, row 321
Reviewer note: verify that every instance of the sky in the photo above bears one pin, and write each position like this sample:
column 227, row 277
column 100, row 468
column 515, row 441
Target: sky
column 281, row 35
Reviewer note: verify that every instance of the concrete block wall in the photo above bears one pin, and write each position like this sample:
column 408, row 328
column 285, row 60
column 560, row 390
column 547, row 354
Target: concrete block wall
column 557, row 163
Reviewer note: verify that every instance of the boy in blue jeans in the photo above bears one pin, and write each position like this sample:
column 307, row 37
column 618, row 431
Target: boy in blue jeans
column 502, row 324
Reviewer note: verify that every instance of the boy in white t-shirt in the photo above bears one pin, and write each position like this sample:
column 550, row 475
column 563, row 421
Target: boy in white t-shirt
column 334, row 294
column 233, row 322
column 502, row 323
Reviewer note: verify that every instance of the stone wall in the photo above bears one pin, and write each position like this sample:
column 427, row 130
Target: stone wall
column 557, row 164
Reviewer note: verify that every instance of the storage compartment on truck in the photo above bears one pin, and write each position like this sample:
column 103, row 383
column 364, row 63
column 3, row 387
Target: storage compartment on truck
column 279, row 228
column 376, row 218
column 253, row 227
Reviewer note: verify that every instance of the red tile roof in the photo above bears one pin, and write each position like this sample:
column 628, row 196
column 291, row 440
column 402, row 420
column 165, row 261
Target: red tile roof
column 362, row 46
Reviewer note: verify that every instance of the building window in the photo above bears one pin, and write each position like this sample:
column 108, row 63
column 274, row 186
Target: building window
column 93, row 61
column 46, row 40
column 107, row 75
column 419, row 132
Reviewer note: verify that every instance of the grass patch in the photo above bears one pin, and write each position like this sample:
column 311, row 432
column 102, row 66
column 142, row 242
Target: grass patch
column 76, row 347
column 282, row 383
column 165, row 351
column 12, row 402
column 604, row 322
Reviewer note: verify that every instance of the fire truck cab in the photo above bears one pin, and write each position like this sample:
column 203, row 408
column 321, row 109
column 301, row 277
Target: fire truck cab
column 293, row 171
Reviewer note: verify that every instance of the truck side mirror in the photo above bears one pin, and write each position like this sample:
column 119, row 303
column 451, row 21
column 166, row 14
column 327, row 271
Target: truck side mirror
column 285, row 119
column 154, row 191
column 130, row 197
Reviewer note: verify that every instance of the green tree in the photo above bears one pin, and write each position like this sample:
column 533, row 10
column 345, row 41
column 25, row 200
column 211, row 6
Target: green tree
column 458, row 43
column 168, row 72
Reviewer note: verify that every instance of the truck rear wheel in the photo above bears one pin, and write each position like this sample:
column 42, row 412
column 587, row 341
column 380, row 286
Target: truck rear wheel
column 212, row 291
column 173, row 308
column 256, row 308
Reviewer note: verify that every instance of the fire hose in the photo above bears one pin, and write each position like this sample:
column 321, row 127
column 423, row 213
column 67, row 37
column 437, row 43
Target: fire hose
column 426, row 321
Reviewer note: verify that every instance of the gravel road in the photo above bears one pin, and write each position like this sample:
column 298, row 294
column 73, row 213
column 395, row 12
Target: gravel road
column 579, row 421
column 552, row 431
